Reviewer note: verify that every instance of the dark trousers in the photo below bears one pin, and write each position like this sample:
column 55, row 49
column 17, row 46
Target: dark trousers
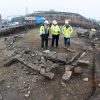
column 67, row 41
column 44, row 40
column 55, row 38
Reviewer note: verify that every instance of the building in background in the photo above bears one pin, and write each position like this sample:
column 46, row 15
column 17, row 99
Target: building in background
column 29, row 20
column 75, row 19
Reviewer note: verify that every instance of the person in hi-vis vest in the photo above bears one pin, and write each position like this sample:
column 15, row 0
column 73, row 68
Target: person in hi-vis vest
column 55, row 31
column 44, row 34
column 67, row 30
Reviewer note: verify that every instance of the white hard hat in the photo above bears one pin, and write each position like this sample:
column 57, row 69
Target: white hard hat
column 66, row 22
column 54, row 22
column 46, row 22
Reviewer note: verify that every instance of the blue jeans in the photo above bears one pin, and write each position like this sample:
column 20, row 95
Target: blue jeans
column 44, row 40
column 66, row 41
column 55, row 38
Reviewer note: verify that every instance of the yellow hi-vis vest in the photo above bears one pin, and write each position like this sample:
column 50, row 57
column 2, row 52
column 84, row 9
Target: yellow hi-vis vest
column 67, row 31
column 55, row 29
column 42, row 30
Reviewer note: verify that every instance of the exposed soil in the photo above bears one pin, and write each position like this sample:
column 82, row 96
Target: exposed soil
column 17, row 82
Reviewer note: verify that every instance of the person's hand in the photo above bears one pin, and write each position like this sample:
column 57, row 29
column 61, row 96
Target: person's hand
column 58, row 31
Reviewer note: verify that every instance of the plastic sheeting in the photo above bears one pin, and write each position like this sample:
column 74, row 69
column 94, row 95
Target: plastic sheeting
column 39, row 20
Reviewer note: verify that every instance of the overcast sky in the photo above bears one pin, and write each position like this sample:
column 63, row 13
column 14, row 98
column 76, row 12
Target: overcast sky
column 87, row 8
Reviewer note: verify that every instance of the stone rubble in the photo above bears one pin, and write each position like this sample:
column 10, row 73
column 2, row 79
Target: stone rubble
column 67, row 75
column 46, row 61
column 1, row 97
column 83, row 62
column 78, row 70
column 86, row 79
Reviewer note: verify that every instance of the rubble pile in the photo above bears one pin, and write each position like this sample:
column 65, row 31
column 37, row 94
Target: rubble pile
column 13, row 42
column 44, row 62
column 72, row 70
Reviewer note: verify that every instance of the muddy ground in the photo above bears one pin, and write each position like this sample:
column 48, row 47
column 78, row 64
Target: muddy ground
column 17, row 82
